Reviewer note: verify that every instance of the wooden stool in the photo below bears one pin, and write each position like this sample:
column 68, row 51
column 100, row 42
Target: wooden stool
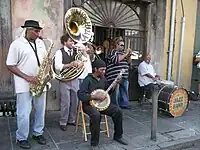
column 84, row 124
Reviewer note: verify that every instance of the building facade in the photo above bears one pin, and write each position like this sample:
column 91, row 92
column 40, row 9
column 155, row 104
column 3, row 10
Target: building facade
column 144, row 24
column 187, row 9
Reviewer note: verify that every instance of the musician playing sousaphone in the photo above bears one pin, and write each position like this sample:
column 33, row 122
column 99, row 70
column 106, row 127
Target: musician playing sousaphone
column 64, row 59
column 147, row 75
column 94, row 81
column 69, row 62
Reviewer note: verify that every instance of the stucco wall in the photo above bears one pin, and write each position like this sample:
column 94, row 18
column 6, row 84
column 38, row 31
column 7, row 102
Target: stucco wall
column 190, row 8
column 6, row 80
column 48, row 13
column 156, row 34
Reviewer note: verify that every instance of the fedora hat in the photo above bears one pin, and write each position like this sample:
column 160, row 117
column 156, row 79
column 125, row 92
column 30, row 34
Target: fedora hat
column 31, row 23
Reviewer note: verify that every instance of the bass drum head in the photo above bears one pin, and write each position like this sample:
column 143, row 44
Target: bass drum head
column 173, row 100
column 178, row 102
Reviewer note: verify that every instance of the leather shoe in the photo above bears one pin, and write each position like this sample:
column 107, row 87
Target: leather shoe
column 125, row 107
column 24, row 144
column 95, row 147
column 121, row 141
column 40, row 139
column 63, row 127
column 71, row 124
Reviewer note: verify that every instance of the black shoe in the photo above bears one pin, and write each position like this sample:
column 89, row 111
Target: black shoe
column 24, row 144
column 125, row 107
column 40, row 139
column 63, row 127
column 95, row 147
column 71, row 124
column 121, row 141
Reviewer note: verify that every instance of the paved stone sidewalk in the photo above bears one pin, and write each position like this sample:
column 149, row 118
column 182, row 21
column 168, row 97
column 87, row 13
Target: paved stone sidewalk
column 137, row 130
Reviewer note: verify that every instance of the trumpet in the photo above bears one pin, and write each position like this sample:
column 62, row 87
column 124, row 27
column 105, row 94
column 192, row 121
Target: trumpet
column 94, row 52
column 128, row 51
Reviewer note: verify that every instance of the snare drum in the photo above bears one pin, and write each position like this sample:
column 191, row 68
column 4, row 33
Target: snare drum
column 173, row 100
column 166, row 83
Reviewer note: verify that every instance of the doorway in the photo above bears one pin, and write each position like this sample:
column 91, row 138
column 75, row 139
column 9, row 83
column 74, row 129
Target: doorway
column 195, row 77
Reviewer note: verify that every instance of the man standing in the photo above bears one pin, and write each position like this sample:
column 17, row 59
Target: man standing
column 65, row 58
column 86, row 60
column 24, row 58
column 93, row 81
column 119, row 59
column 146, row 75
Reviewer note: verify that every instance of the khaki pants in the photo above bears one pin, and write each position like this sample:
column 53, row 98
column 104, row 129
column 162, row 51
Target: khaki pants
column 69, row 101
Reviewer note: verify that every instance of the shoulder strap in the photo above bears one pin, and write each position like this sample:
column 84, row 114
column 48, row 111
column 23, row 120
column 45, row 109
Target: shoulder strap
column 35, row 51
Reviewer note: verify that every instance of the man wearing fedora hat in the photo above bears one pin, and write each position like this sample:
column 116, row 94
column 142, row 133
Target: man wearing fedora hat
column 23, row 60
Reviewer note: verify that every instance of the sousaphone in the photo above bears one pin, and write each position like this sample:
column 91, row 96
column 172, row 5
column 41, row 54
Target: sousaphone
column 79, row 27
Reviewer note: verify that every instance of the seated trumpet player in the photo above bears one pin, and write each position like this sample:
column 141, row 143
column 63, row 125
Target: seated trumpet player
column 147, row 76
column 65, row 58
column 93, row 81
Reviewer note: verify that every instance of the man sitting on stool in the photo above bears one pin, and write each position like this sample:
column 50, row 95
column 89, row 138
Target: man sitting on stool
column 146, row 76
column 93, row 81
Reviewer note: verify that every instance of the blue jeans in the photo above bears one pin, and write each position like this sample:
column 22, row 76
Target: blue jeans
column 24, row 107
column 120, row 96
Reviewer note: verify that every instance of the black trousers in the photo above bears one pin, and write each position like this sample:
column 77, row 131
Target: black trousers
column 95, row 118
column 146, row 89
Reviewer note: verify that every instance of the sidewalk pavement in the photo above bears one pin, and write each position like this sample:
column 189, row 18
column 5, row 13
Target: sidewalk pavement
column 172, row 132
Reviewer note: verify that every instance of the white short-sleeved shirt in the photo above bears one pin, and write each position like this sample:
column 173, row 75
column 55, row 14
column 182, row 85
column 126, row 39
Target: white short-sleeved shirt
column 87, row 67
column 145, row 68
column 22, row 55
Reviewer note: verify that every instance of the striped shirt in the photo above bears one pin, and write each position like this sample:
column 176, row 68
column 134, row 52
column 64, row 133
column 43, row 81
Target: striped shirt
column 114, row 67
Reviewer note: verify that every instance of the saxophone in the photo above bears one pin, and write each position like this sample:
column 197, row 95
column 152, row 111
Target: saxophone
column 45, row 73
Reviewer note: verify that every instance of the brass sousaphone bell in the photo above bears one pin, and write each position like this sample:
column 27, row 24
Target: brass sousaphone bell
column 79, row 27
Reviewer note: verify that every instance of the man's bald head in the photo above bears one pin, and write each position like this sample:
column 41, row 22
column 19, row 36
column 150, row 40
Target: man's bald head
column 148, row 58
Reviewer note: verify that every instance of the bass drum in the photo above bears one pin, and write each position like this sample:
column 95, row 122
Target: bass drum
column 173, row 100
